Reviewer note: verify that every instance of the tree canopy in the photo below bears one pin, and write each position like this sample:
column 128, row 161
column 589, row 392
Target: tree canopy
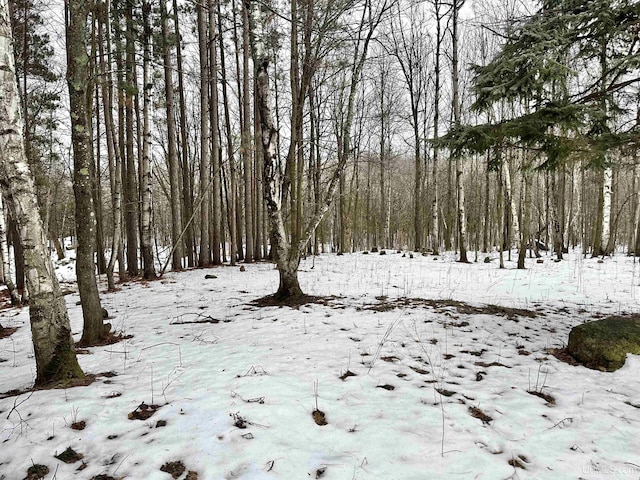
column 566, row 75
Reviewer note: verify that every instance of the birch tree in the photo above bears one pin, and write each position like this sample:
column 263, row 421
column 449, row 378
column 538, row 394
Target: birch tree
column 287, row 253
column 55, row 356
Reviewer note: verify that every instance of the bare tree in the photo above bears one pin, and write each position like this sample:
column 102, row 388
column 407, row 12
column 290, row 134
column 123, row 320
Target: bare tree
column 55, row 356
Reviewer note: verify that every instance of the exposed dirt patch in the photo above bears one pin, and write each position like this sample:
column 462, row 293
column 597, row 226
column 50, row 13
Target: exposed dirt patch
column 492, row 364
column 347, row 374
column 110, row 339
column 69, row 456
column 293, row 302
column 563, row 355
column 419, row 370
column 143, row 411
column 7, row 332
column 76, row 382
column 390, row 359
column 386, row 386
column 548, row 398
column 445, row 393
column 103, row 476
column 175, row 469
column 480, row 415
column 81, row 425
column 36, row 472
column 441, row 306
column 319, row 417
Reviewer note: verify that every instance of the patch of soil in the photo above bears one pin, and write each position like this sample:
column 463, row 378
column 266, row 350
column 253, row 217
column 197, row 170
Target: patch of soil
column 386, row 386
column 477, row 353
column 7, row 332
column 563, row 355
column 480, row 415
column 347, row 374
column 102, row 476
column 444, row 392
column 110, row 339
column 419, row 370
column 293, row 302
column 36, row 472
column 161, row 423
column 480, row 376
column 319, row 417
column 81, row 425
column 143, row 411
column 492, row 364
column 390, row 359
column 448, row 356
column 76, row 382
column 191, row 475
column 442, row 306
column 69, row 456
column 545, row 396
column 175, row 469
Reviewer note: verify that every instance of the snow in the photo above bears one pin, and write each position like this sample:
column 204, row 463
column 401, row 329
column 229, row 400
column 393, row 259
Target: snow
column 271, row 367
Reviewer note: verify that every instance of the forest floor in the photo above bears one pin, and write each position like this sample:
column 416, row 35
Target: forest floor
column 404, row 368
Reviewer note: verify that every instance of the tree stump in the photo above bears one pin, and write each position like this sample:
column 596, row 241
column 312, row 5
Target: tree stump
column 604, row 344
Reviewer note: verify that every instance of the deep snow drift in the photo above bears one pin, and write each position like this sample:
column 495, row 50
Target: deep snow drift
column 442, row 387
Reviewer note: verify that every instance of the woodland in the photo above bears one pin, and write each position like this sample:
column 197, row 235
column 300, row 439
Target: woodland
column 193, row 134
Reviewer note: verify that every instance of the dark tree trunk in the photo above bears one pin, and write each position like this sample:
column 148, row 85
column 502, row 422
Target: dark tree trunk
column 77, row 80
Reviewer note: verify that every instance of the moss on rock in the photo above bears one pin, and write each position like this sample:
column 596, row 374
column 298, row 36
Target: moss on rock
column 604, row 344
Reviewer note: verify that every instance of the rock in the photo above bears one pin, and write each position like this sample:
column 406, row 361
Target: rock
column 208, row 276
column 604, row 344
column 383, row 252
column 242, row 269
column 539, row 260
column 487, row 259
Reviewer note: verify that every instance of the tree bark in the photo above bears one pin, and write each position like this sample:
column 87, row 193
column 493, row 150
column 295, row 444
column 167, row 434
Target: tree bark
column 146, row 237
column 204, row 258
column 55, row 356
column 77, row 80
column 216, row 209
column 246, row 135
column 173, row 161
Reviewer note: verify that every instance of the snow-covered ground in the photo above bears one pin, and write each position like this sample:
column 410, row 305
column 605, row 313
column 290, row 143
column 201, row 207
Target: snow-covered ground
column 440, row 388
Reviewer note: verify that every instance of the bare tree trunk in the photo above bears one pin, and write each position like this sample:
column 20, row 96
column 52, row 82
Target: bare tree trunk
column 215, row 137
column 55, row 356
column 173, row 161
column 232, row 196
column 114, row 160
column 461, row 216
column 526, row 219
column 4, row 251
column 246, row 137
column 129, row 166
column 187, row 188
column 77, row 80
column 146, row 238
column 204, row 258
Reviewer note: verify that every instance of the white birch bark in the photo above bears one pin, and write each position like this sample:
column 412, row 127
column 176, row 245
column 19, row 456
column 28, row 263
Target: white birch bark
column 607, row 191
column 53, row 346
column 6, row 264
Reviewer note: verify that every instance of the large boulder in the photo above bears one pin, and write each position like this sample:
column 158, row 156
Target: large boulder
column 604, row 344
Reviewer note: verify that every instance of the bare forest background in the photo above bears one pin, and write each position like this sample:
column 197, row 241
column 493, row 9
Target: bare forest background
column 211, row 131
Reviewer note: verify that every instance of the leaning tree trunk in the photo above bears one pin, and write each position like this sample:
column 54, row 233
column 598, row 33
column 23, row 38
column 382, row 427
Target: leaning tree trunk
column 77, row 80
column 53, row 346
